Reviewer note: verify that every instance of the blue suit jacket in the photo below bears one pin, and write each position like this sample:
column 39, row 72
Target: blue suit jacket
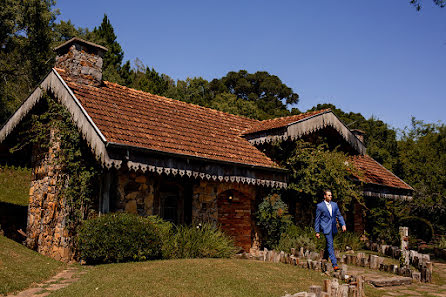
column 326, row 222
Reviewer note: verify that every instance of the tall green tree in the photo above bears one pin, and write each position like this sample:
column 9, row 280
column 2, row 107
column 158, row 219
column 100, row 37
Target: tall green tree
column 25, row 49
column 417, row 3
column 105, row 35
column 265, row 90
column 422, row 151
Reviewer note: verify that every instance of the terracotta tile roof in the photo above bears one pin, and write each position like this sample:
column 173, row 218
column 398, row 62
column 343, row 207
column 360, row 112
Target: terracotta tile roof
column 375, row 173
column 135, row 118
column 281, row 122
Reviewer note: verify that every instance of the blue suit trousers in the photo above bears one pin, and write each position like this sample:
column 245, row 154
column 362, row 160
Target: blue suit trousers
column 329, row 249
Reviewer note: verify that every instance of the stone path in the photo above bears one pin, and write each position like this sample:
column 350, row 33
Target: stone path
column 59, row 281
column 435, row 289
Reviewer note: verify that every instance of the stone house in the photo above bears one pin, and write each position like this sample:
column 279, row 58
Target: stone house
column 183, row 162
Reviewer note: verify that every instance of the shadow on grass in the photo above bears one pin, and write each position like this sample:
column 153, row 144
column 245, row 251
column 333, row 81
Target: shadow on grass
column 12, row 218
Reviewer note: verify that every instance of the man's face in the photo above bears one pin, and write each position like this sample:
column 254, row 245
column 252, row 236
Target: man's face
column 328, row 196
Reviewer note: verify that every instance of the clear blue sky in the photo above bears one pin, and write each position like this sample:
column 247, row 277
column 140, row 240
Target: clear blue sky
column 381, row 58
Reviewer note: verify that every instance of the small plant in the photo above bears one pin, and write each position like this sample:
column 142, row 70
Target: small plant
column 273, row 219
column 348, row 240
column 297, row 238
column 201, row 241
column 119, row 237
column 442, row 243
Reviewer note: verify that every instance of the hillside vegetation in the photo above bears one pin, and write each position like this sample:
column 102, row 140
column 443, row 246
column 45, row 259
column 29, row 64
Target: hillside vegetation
column 14, row 185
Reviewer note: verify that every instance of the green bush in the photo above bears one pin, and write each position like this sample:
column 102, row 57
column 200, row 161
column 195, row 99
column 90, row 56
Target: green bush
column 348, row 239
column 165, row 231
column 273, row 219
column 442, row 243
column 202, row 241
column 119, row 237
column 296, row 237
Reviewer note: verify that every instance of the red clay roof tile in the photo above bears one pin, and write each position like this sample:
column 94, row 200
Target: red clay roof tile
column 374, row 173
column 281, row 122
column 130, row 117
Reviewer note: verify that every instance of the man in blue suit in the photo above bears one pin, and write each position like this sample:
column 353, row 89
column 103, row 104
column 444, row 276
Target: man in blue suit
column 326, row 214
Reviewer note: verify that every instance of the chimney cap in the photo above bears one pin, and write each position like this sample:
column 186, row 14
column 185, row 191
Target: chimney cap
column 80, row 41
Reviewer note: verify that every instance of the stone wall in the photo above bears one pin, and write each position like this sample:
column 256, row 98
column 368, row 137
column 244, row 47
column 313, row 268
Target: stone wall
column 82, row 63
column 136, row 193
column 47, row 213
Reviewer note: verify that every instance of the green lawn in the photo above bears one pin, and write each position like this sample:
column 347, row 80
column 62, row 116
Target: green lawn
column 20, row 267
column 14, row 185
column 193, row 277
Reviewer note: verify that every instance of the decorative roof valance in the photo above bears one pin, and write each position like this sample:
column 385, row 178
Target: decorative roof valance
column 306, row 124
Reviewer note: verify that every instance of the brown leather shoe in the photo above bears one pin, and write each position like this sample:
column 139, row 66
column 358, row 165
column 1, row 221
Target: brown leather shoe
column 335, row 268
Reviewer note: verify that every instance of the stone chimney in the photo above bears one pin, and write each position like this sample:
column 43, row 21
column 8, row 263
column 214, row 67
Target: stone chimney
column 81, row 60
column 359, row 134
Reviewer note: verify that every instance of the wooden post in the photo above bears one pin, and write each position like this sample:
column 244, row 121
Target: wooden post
column 334, row 287
column 327, row 286
column 360, row 292
column 343, row 291
column 429, row 268
column 352, row 291
column 317, row 290
column 374, row 262
column 404, row 237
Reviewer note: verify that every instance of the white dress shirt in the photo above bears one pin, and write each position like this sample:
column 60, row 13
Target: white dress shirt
column 330, row 210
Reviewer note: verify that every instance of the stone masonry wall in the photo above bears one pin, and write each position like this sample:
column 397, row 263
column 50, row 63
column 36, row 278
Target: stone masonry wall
column 136, row 193
column 46, row 228
column 81, row 64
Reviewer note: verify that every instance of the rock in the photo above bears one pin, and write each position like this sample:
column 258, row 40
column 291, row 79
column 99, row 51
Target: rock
column 130, row 207
column 416, row 276
column 317, row 290
column 132, row 196
column 391, row 281
column 141, row 179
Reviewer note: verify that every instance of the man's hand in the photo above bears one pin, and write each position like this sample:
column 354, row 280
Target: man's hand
column 344, row 228
column 318, row 235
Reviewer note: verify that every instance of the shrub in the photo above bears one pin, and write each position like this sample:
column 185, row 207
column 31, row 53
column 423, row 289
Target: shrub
column 202, row 241
column 442, row 243
column 296, row 237
column 119, row 237
column 165, row 231
column 348, row 239
column 273, row 219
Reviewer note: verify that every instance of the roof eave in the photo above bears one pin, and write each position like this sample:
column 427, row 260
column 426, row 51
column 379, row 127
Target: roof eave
column 187, row 156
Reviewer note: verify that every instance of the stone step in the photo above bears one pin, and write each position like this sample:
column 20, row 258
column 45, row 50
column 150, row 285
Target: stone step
column 390, row 281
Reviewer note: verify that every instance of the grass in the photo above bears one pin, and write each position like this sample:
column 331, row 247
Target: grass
column 193, row 277
column 14, row 185
column 20, row 267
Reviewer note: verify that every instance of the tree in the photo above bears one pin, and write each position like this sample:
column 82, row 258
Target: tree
column 312, row 168
column 265, row 90
column 417, row 3
column 422, row 151
column 25, row 49
column 64, row 31
column 105, row 35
